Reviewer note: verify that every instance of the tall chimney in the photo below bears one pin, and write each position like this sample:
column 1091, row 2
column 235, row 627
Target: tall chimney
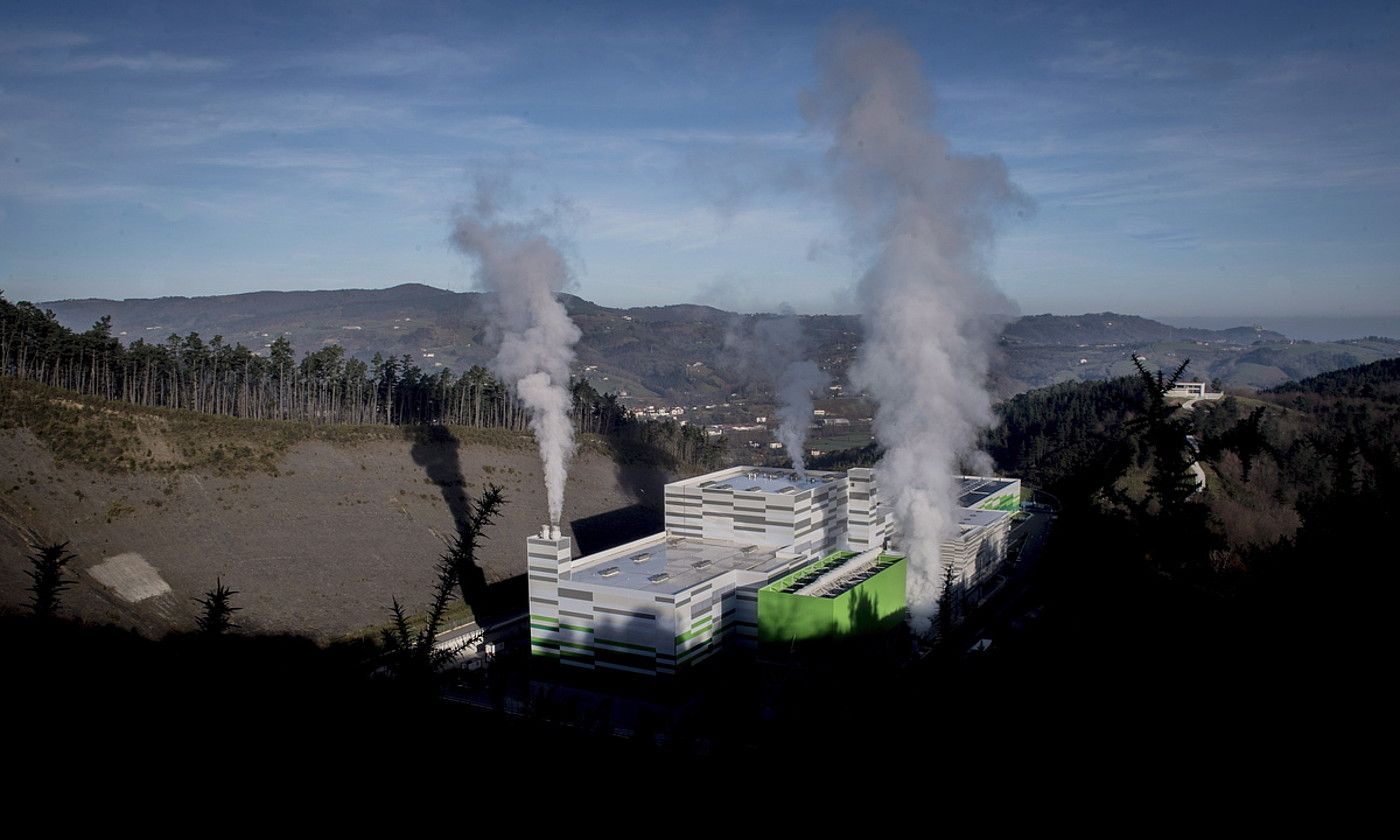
column 867, row 523
column 548, row 555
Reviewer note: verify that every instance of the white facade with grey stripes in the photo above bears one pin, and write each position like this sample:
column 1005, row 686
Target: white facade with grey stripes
column 670, row 600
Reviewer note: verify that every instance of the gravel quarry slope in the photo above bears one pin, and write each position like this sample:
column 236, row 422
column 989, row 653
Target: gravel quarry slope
column 317, row 540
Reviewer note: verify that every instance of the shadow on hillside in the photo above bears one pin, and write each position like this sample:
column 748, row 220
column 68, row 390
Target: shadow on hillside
column 642, row 472
column 615, row 527
column 436, row 450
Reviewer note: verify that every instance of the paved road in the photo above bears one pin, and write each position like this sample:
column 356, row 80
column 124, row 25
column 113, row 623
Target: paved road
column 468, row 636
column 1190, row 405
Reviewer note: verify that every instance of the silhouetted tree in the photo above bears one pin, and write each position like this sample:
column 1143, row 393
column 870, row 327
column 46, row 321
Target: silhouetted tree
column 1248, row 441
column 414, row 656
column 49, row 575
column 1171, row 482
column 461, row 555
column 948, row 604
column 218, row 609
column 1176, row 533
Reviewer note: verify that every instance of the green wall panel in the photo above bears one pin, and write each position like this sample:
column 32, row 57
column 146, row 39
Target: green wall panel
column 871, row 606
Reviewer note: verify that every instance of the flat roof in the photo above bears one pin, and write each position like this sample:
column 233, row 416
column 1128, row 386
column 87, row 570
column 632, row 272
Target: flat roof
column 969, row 518
column 763, row 480
column 835, row 574
column 975, row 489
column 669, row 565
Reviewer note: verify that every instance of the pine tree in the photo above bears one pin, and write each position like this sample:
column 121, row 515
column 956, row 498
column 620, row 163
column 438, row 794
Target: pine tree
column 461, row 556
column 414, row 655
column 948, row 604
column 218, row 610
column 49, row 564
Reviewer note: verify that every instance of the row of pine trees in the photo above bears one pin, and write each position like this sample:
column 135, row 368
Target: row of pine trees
column 325, row 386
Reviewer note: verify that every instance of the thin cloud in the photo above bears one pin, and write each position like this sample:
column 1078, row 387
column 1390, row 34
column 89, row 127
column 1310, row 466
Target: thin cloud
column 155, row 61
column 13, row 42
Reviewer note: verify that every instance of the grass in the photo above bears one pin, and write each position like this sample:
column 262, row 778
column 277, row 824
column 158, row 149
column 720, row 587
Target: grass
column 117, row 509
column 456, row 614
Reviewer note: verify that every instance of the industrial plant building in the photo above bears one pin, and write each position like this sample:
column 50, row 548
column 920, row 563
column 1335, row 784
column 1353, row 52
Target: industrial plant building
column 748, row 555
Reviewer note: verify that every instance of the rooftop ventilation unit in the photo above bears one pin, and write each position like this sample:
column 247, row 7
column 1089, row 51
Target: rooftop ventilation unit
column 753, row 489
column 641, row 558
column 661, row 577
column 610, row 571
column 702, row 564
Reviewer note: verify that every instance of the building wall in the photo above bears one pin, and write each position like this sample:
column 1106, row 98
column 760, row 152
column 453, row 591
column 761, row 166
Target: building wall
column 589, row 625
column 546, row 558
column 868, row 521
column 1007, row 499
column 978, row 554
column 813, row 521
column 871, row 606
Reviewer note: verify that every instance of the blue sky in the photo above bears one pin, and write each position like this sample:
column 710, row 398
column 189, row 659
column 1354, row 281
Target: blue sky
column 1184, row 159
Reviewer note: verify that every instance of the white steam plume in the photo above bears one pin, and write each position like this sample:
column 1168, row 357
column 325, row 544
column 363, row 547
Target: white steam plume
column 774, row 349
column 524, row 272
column 930, row 311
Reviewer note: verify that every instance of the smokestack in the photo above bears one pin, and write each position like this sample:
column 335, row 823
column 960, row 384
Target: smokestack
column 930, row 311
column 524, row 272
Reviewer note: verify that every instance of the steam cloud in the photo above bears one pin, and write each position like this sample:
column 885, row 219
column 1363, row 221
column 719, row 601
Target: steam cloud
column 525, row 271
column 930, row 311
column 774, row 349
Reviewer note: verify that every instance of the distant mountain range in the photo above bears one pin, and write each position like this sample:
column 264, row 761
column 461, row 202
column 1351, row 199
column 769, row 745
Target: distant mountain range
column 676, row 353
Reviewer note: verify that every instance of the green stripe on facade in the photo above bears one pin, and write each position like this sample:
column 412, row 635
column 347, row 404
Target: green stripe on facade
column 543, row 618
column 576, row 628
column 685, row 637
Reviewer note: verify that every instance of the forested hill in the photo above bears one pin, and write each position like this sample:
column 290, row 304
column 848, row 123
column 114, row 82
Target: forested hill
column 675, row 354
column 1376, row 381
column 1113, row 328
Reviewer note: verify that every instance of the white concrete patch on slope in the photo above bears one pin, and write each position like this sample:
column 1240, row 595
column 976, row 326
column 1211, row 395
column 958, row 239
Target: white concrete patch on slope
column 130, row 577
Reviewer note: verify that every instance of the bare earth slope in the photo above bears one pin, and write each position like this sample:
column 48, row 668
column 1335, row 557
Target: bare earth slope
column 317, row 542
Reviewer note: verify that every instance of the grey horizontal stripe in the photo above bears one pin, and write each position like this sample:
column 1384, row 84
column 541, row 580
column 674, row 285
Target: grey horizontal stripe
column 576, row 594
column 647, row 616
column 543, row 601
column 588, row 616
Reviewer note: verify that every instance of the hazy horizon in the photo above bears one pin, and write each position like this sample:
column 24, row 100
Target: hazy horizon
column 1309, row 327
